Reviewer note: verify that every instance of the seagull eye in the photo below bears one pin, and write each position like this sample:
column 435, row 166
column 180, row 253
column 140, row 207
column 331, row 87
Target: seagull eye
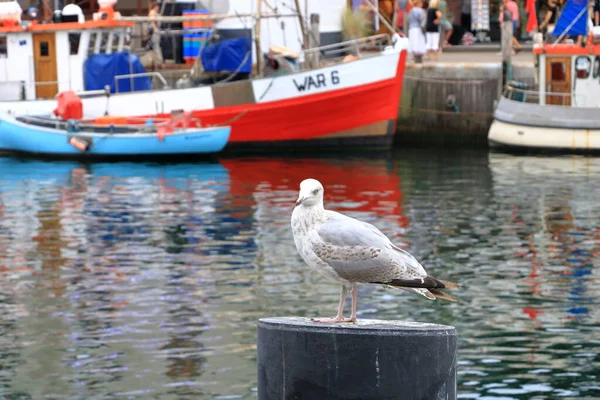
column 315, row 191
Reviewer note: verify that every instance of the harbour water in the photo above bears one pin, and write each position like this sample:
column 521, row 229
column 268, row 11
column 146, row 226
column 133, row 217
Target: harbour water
column 122, row 280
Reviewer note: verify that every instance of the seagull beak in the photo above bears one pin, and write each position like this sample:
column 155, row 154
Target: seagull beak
column 300, row 200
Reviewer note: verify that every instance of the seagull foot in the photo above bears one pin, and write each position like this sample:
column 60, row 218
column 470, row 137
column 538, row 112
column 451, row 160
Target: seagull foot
column 333, row 320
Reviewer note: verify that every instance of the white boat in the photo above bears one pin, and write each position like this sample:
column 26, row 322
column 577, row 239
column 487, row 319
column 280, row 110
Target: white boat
column 562, row 112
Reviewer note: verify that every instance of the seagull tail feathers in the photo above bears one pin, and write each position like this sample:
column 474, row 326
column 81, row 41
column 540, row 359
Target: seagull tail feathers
column 428, row 282
column 428, row 287
column 442, row 295
column 448, row 284
column 431, row 294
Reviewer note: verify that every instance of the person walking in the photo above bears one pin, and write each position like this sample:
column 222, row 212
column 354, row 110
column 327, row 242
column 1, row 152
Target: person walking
column 154, row 33
column 402, row 10
column 547, row 25
column 446, row 27
column 432, row 27
column 513, row 8
column 416, row 25
column 465, row 15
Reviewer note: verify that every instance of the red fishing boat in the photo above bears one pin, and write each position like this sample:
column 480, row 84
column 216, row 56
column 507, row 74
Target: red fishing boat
column 343, row 94
column 350, row 103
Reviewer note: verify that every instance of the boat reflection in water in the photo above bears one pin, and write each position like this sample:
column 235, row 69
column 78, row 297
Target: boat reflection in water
column 163, row 254
column 127, row 279
column 264, row 192
column 552, row 248
column 73, row 239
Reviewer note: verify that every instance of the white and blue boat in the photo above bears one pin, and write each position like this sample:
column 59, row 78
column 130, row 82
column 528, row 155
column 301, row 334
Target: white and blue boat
column 46, row 136
column 562, row 112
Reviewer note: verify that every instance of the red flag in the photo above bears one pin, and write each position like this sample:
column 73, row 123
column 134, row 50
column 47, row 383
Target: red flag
column 532, row 21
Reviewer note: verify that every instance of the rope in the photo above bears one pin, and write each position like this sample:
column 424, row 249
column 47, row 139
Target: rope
column 270, row 85
column 562, row 35
column 306, row 20
column 233, row 119
column 457, row 81
column 234, row 73
column 462, row 114
column 240, row 115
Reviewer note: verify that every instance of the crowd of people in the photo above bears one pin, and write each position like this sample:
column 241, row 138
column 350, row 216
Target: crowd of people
column 550, row 16
column 429, row 27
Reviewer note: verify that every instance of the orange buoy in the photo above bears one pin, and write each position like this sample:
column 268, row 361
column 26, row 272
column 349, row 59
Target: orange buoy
column 79, row 143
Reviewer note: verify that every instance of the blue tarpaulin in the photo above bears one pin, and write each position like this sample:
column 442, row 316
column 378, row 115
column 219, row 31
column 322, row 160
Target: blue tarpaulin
column 100, row 70
column 228, row 55
column 572, row 10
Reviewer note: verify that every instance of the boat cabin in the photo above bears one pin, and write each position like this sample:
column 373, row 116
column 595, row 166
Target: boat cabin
column 569, row 74
column 567, row 63
column 39, row 60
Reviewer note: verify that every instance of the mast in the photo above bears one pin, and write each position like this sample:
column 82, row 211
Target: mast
column 259, row 56
column 302, row 26
column 381, row 17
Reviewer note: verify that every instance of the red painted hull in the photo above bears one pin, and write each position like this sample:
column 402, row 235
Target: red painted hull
column 363, row 112
column 379, row 191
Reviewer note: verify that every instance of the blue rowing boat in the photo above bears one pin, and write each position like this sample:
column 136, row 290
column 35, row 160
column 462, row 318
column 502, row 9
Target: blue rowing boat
column 71, row 138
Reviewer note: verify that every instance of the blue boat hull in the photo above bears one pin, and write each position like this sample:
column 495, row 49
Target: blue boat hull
column 23, row 137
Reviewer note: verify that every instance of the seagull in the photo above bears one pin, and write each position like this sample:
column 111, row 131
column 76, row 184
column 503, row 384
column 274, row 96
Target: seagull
column 349, row 251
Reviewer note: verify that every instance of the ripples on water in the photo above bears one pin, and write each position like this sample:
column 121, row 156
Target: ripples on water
column 146, row 280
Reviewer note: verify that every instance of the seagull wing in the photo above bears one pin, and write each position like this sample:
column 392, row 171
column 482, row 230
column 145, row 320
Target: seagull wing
column 359, row 252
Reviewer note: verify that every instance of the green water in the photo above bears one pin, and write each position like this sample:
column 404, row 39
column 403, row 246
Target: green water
column 146, row 280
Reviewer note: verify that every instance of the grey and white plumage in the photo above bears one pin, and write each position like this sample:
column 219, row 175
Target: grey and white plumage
column 350, row 251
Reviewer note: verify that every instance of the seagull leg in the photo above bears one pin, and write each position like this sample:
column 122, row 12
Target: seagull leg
column 354, row 294
column 339, row 317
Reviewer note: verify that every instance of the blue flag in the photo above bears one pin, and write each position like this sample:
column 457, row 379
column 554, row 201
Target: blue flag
column 574, row 9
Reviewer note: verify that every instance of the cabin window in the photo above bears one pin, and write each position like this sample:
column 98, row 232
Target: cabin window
column 74, row 39
column 558, row 72
column 104, row 44
column 44, row 50
column 582, row 67
column 99, row 41
column 92, row 42
column 596, row 67
column 3, row 46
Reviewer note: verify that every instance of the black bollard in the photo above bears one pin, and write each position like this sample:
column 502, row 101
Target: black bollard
column 370, row 360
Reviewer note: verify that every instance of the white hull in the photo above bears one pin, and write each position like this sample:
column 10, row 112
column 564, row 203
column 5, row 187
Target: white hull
column 365, row 71
column 558, row 138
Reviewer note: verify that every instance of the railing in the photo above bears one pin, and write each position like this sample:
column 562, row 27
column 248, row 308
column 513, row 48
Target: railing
column 362, row 47
column 20, row 92
column 132, row 77
column 91, row 50
column 67, row 125
column 21, row 89
column 133, row 125
column 551, row 98
column 93, row 93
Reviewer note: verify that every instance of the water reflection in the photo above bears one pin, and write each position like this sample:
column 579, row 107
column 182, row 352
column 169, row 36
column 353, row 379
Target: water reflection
column 146, row 280
column 544, row 260
column 94, row 303
column 366, row 188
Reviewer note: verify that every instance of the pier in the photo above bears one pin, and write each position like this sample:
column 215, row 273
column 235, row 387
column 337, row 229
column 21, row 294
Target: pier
column 451, row 101
column 372, row 359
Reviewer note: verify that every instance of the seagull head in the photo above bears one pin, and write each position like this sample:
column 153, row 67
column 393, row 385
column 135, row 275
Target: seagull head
column 311, row 193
